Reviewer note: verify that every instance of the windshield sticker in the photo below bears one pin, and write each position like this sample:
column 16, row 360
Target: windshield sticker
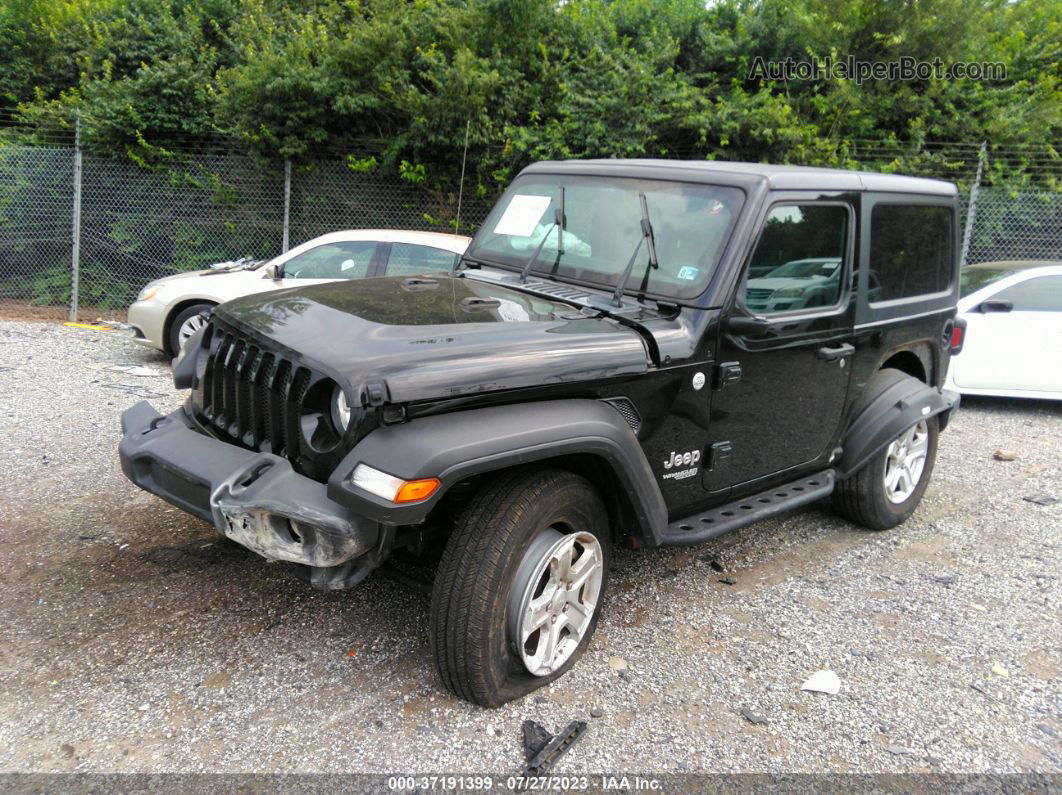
column 688, row 273
column 522, row 215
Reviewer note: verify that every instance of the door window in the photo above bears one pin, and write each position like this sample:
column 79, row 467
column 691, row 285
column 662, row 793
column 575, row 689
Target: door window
column 344, row 260
column 407, row 259
column 1039, row 294
column 798, row 263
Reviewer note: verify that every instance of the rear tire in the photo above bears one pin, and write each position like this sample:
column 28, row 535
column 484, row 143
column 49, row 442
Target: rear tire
column 506, row 560
column 886, row 491
column 186, row 323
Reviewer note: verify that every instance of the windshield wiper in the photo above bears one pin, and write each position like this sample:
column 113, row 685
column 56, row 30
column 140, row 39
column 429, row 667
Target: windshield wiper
column 558, row 224
column 647, row 237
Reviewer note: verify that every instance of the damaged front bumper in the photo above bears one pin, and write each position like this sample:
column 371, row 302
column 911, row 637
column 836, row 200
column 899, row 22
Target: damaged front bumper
column 256, row 499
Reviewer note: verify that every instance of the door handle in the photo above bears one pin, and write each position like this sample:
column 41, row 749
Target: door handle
column 833, row 354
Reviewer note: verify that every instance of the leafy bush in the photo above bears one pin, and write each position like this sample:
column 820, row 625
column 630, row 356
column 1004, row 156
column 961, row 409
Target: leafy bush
column 97, row 287
column 529, row 79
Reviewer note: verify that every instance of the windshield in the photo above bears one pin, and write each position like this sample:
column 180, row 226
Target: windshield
column 807, row 268
column 602, row 226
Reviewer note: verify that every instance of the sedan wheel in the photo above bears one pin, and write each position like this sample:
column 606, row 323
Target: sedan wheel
column 190, row 327
column 187, row 322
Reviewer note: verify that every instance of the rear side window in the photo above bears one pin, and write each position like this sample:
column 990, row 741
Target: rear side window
column 910, row 250
column 410, row 259
column 1041, row 294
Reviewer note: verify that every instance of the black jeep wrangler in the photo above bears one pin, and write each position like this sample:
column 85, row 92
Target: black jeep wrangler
column 664, row 351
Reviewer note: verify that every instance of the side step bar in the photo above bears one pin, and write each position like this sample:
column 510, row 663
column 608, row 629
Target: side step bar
column 710, row 524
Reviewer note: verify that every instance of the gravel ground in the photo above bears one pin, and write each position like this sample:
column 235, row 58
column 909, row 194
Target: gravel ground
column 135, row 640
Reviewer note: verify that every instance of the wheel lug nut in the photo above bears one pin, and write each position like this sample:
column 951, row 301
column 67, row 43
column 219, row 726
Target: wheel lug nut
column 553, row 619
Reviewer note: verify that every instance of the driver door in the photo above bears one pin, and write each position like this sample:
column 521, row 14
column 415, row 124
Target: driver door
column 784, row 409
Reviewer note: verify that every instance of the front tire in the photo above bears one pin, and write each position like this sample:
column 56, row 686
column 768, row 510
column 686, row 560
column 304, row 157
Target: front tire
column 519, row 589
column 886, row 491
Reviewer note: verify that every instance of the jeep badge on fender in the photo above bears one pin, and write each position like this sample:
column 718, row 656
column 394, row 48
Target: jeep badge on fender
column 683, row 459
column 608, row 315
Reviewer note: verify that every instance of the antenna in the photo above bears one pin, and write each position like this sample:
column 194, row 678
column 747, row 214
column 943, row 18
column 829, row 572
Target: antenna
column 461, row 186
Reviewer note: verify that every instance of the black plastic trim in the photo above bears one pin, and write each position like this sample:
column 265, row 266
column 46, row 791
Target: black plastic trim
column 184, row 366
column 896, row 408
column 770, row 502
column 211, row 479
column 458, row 445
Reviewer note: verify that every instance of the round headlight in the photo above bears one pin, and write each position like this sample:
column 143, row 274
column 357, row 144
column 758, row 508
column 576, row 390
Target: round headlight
column 340, row 409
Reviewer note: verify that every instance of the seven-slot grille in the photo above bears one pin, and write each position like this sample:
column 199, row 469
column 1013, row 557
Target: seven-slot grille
column 253, row 396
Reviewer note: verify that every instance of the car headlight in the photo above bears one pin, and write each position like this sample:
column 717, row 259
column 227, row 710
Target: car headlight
column 391, row 488
column 148, row 292
column 788, row 292
column 340, row 409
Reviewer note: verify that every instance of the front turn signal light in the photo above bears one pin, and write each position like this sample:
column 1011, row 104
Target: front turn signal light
column 417, row 490
column 391, row 488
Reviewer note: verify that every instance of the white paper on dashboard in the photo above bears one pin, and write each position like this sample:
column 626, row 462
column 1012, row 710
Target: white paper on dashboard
column 512, row 311
column 522, row 215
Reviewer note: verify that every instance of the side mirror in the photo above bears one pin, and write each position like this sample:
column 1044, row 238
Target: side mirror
column 995, row 305
column 271, row 271
column 748, row 325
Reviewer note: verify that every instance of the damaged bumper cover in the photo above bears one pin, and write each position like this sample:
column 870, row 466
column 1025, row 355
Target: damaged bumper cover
column 256, row 499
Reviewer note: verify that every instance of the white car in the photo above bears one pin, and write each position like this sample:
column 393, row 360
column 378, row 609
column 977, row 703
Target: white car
column 169, row 310
column 1013, row 340
column 798, row 284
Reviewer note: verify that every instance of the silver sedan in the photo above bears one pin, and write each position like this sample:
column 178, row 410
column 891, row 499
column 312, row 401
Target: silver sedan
column 170, row 310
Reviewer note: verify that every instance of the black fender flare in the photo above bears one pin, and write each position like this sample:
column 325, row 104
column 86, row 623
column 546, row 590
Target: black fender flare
column 460, row 444
column 895, row 402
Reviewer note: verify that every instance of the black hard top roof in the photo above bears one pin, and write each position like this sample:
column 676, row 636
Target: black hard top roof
column 776, row 177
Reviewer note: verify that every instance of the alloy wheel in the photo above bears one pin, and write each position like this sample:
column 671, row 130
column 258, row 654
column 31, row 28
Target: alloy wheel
column 905, row 460
column 554, row 597
column 190, row 327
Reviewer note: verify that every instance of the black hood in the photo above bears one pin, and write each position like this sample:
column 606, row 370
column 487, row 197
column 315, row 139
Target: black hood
column 439, row 336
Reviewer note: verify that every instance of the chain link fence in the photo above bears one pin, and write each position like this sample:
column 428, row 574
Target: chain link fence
column 1010, row 197
column 118, row 225
column 36, row 222
column 1016, row 224
column 134, row 223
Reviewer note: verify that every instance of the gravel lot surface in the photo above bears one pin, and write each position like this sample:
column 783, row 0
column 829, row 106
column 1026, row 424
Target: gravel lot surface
column 135, row 640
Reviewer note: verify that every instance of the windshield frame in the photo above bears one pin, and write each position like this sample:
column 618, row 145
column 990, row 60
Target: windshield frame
column 744, row 198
